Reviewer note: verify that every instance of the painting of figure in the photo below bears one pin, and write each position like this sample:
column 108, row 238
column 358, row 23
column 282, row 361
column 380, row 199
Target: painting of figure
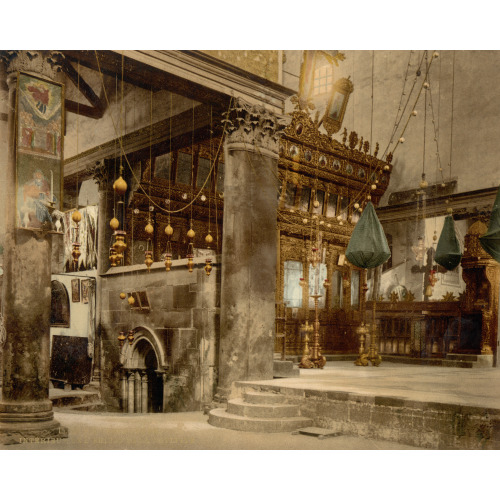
column 38, row 152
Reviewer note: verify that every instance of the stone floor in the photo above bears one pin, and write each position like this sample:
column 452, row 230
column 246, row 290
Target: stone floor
column 190, row 431
column 466, row 386
column 182, row 431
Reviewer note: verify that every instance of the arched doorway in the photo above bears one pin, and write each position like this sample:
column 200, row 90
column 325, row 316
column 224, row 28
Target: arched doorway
column 142, row 378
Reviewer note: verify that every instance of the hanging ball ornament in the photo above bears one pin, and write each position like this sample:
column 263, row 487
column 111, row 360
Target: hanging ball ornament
column 169, row 230
column 401, row 140
column 426, row 85
column 449, row 210
column 316, row 203
column 414, row 112
column 360, row 209
column 122, row 295
column 76, row 216
column 435, row 55
column 203, row 197
column 209, row 238
column 386, row 167
column 120, row 186
column 131, row 300
column 356, row 206
column 304, row 221
column 443, row 185
column 149, row 228
column 423, row 184
column 114, row 223
column 190, row 233
column 369, row 197
column 339, row 217
column 374, row 186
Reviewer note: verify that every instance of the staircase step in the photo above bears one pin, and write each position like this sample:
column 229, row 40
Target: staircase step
column 220, row 418
column 90, row 407
column 73, row 399
column 266, row 398
column 275, row 410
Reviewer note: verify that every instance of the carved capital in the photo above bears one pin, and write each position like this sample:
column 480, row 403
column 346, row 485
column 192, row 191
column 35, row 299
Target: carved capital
column 47, row 63
column 254, row 125
column 99, row 172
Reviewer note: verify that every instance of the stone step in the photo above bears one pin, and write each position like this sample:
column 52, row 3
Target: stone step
column 220, row 418
column 266, row 398
column 276, row 410
column 73, row 398
column 90, row 407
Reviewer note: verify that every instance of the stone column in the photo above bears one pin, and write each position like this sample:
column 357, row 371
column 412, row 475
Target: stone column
column 131, row 385
column 144, row 392
column 124, row 391
column 248, row 278
column 101, row 175
column 25, row 408
column 137, row 392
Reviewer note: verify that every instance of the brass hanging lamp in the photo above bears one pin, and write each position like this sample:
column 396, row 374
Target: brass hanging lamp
column 190, row 254
column 169, row 231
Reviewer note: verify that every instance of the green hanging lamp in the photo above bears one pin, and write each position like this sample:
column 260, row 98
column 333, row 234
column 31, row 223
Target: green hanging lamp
column 448, row 252
column 490, row 241
column 368, row 245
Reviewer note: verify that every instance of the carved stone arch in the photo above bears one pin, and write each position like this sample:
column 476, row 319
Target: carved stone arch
column 132, row 354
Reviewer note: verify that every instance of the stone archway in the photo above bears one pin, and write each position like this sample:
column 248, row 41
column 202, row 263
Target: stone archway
column 142, row 379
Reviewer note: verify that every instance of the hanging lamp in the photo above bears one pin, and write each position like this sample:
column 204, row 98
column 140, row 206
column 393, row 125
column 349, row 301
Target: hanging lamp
column 448, row 252
column 490, row 241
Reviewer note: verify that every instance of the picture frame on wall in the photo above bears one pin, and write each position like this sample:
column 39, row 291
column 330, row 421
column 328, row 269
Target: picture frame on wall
column 85, row 291
column 75, row 290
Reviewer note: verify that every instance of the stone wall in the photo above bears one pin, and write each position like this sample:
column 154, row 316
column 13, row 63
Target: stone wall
column 182, row 323
column 416, row 423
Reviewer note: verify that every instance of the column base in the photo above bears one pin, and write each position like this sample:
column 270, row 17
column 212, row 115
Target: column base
column 30, row 422
column 222, row 394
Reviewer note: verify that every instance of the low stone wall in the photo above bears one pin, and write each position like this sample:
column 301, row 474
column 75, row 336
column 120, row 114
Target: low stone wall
column 424, row 424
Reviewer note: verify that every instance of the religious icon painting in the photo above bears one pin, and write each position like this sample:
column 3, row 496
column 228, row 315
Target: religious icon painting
column 85, row 291
column 75, row 290
column 39, row 151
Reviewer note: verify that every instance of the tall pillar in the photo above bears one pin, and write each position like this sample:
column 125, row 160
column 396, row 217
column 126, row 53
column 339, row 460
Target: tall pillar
column 100, row 173
column 131, row 385
column 144, row 391
column 25, row 408
column 248, row 271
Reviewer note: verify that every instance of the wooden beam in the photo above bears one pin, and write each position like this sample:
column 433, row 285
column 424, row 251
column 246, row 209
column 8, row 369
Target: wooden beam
column 158, row 137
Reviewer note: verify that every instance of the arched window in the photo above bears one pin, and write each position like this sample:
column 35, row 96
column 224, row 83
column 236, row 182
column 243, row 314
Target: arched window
column 59, row 311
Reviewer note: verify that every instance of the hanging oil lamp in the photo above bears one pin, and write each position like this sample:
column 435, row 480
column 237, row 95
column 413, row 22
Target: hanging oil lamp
column 208, row 261
column 123, row 295
column 169, row 231
column 120, row 186
column 114, row 223
column 190, row 254
column 119, row 245
column 113, row 258
column 131, row 301
column 315, row 257
column 419, row 250
column 148, row 259
column 130, row 337
column 121, row 339
column 75, row 253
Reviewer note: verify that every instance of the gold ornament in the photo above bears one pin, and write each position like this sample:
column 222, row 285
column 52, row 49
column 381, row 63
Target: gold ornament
column 168, row 262
column 76, row 216
column 190, row 233
column 169, row 230
column 119, row 245
column 148, row 259
column 190, row 264
column 208, row 266
column 122, row 295
column 114, row 223
column 316, row 203
column 131, row 300
column 120, row 186
column 76, row 253
column 209, row 238
column 121, row 339
column 149, row 228
column 113, row 258
column 130, row 337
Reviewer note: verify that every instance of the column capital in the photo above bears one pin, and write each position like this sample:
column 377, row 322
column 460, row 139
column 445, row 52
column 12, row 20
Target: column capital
column 254, row 125
column 47, row 63
column 99, row 172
